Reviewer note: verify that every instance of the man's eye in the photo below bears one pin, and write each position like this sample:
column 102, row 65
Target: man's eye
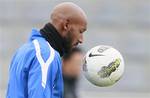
column 81, row 32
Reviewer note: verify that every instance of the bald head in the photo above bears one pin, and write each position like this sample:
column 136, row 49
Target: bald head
column 70, row 21
column 68, row 10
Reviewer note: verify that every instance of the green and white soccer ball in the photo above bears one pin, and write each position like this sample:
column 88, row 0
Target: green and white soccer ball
column 103, row 66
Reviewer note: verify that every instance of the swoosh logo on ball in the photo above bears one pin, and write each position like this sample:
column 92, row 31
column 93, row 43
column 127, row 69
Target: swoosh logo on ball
column 92, row 55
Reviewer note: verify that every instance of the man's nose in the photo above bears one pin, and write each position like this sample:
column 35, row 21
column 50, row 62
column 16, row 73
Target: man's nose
column 81, row 39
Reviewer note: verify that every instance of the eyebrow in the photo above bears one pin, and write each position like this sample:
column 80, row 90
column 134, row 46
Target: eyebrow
column 83, row 30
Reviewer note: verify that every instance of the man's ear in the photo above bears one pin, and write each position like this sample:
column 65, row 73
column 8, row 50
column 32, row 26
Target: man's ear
column 66, row 25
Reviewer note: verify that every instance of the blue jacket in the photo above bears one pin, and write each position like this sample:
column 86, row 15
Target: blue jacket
column 35, row 70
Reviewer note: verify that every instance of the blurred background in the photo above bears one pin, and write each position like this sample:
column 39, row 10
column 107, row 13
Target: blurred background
column 123, row 24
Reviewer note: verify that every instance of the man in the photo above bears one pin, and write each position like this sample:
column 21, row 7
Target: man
column 71, row 70
column 35, row 70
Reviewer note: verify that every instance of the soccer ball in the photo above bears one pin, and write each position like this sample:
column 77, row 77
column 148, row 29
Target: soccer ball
column 103, row 66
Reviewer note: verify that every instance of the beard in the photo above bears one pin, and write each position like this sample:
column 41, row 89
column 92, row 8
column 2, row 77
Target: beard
column 68, row 42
